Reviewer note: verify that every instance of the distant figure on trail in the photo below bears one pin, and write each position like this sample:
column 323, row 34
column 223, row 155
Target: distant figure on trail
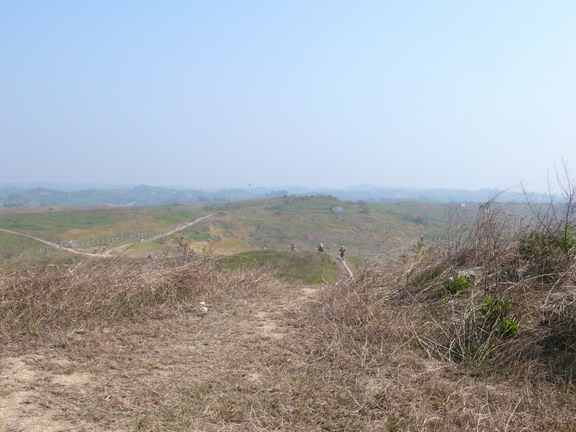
column 321, row 248
column 292, row 246
column 342, row 252
column 95, row 251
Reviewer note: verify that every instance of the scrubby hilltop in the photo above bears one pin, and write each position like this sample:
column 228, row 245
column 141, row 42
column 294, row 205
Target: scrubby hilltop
column 472, row 331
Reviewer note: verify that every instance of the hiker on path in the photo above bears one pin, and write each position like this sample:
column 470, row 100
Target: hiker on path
column 292, row 246
column 342, row 252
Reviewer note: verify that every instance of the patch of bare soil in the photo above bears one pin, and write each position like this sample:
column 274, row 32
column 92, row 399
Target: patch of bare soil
column 23, row 404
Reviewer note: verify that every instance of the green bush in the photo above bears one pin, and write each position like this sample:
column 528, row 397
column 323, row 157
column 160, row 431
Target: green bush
column 457, row 285
column 495, row 307
column 539, row 242
column 494, row 311
column 507, row 327
column 424, row 277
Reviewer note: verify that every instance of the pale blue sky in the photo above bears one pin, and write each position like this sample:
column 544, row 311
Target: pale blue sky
column 453, row 94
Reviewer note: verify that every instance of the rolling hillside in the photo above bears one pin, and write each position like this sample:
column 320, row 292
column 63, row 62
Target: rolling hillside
column 364, row 228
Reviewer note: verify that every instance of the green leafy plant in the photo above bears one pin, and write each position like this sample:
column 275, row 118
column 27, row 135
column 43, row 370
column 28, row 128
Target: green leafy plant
column 508, row 327
column 495, row 307
column 538, row 241
column 495, row 311
column 458, row 285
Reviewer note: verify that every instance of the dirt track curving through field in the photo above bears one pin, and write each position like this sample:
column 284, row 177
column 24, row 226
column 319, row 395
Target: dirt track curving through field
column 175, row 230
column 46, row 242
column 108, row 252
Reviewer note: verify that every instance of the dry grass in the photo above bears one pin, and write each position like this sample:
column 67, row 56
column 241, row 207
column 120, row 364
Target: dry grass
column 476, row 332
column 93, row 293
column 517, row 275
column 123, row 345
column 368, row 334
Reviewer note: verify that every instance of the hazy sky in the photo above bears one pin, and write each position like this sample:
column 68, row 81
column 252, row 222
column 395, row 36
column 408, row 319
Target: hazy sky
column 453, row 94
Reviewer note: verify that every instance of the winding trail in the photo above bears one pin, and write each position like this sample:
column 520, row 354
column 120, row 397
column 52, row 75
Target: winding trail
column 175, row 230
column 108, row 252
column 46, row 242
column 345, row 265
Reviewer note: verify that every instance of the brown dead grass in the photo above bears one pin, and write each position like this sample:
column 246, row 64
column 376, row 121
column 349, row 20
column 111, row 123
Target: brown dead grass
column 91, row 293
column 369, row 340
column 124, row 346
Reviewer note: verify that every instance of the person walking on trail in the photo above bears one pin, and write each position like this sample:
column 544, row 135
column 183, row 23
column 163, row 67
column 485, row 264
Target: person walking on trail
column 292, row 246
column 342, row 252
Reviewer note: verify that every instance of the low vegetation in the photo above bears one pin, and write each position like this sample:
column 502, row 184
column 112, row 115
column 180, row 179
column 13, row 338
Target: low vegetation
column 94, row 293
column 495, row 294
column 81, row 224
column 364, row 228
column 473, row 331
column 291, row 267
column 12, row 245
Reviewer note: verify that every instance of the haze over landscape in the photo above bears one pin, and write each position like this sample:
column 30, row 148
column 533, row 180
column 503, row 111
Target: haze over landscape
column 449, row 94
column 261, row 216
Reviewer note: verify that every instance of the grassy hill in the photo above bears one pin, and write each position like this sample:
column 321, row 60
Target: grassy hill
column 475, row 335
column 71, row 224
column 252, row 342
column 11, row 244
column 363, row 228
column 292, row 267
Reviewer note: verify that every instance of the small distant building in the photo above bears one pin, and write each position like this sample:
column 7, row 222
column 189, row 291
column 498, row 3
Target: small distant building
column 337, row 209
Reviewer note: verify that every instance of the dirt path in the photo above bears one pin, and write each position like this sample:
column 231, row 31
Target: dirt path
column 175, row 230
column 345, row 265
column 46, row 242
column 200, row 369
column 109, row 251
column 344, row 271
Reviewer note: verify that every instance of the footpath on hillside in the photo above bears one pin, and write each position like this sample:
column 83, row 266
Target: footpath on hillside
column 112, row 249
column 159, row 236
column 203, row 368
column 124, row 246
column 342, row 263
column 46, row 242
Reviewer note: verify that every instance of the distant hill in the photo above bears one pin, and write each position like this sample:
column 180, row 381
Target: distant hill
column 268, row 224
column 23, row 196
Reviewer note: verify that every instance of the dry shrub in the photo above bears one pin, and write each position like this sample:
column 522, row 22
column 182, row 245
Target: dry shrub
column 471, row 333
column 104, row 292
column 527, row 264
column 368, row 333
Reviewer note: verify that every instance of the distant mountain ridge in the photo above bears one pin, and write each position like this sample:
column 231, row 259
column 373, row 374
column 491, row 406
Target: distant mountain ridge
column 19, row 196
